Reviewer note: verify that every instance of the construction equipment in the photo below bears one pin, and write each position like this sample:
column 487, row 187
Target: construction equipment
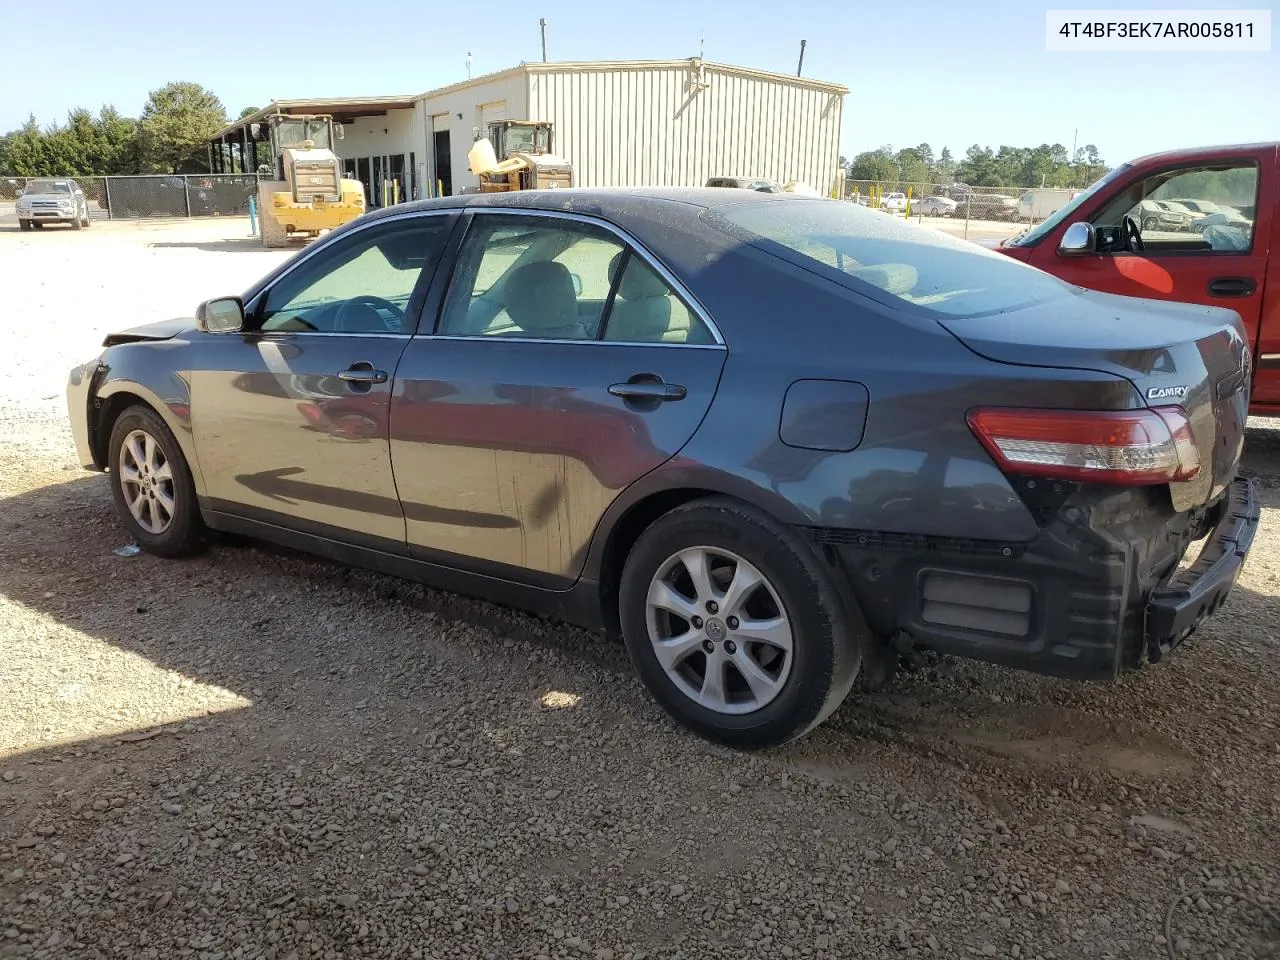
column 527, row 161
column 308, row 193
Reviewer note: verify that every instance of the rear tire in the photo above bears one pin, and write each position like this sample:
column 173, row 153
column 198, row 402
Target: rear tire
column 726, row 672
column 151, row 484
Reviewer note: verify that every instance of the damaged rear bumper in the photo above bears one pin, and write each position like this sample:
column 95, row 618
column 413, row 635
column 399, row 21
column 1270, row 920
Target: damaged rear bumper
column 1097, row 592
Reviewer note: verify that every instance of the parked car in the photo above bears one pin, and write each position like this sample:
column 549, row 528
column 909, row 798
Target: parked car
column 1161, row 215
column 582, row 403
column 1232, row 262
column 987, row 206
column 52, row 200
column 746, row 183
column 934, row 207
column 895, row 202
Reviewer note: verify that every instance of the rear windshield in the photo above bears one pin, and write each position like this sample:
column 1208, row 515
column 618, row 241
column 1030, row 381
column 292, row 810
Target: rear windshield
column 878, row 255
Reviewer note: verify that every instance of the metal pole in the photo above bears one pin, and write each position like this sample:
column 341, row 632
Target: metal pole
column 542, row 24
column 106, row 187
column 186, row 194
column 800, row 65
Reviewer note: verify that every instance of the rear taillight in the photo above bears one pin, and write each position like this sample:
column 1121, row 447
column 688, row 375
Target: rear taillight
column 1130, row 447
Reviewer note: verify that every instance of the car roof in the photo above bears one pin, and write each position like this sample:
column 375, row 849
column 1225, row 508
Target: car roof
column 1203, row 153
column 605, row 202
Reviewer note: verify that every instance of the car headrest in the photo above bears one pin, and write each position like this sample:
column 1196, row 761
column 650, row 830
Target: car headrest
column 639, row 282
column 539, row 296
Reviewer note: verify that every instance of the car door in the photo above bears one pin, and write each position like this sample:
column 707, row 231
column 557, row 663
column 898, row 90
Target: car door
column 1222, row 265
column 565, row 364
column 290, row 416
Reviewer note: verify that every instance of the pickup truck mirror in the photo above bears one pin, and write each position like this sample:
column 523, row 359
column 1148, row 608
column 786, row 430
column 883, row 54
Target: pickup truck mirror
column 221, row 315
column 1078, row 240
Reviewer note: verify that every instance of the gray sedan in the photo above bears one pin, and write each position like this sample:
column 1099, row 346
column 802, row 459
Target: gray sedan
column 768, row 441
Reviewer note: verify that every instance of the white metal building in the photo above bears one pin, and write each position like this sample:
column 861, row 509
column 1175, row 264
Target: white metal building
column 628, row 123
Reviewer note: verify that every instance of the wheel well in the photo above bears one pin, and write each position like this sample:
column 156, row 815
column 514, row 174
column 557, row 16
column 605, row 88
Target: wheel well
column 108, row 412
column 623, row 537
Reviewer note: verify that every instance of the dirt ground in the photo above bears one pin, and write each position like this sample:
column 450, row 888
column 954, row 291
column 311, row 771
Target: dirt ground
column 253, row 754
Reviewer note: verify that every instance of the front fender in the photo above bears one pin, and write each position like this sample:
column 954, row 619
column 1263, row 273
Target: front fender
column 136, row 374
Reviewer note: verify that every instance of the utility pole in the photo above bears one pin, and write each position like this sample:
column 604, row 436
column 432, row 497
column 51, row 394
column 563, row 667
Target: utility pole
column 542, row 24
column 800, row 65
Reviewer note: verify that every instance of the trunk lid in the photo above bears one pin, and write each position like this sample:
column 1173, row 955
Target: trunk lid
column 1174, row 354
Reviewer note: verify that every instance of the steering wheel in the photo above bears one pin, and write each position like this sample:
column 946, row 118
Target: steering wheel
column 1132, row 235
column 345, row 314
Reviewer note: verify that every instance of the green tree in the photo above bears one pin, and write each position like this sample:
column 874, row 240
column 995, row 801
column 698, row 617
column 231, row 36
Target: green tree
column 117, row 142
column 874, row 165
column 912, row 166
column 246, row 111
column 27, row 150
column 176, row 124
column 945, row 168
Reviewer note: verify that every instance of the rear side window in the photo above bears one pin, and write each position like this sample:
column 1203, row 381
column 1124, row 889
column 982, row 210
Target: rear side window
column 893, row 262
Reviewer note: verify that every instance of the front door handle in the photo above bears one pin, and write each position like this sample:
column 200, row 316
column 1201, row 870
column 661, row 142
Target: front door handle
column 1232, row 286
column 363, row 373
column 656, row 390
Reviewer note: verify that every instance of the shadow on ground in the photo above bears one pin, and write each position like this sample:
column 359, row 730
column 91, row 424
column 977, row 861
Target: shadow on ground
column 371, row 751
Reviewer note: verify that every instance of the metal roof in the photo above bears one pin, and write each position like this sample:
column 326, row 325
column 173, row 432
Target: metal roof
column 344, row 109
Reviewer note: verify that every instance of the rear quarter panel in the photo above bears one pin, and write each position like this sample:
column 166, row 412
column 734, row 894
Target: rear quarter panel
column 919, row 469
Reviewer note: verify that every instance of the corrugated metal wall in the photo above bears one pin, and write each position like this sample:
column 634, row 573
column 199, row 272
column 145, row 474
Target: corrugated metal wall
column 656, row 126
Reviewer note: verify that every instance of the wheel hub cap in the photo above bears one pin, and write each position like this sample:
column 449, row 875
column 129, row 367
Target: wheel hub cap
column 737, row 659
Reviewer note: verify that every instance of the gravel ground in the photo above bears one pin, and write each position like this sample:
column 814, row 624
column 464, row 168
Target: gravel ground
column 257, row 755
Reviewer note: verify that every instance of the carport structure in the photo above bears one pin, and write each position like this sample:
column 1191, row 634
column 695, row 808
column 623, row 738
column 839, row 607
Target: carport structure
column 235, row 148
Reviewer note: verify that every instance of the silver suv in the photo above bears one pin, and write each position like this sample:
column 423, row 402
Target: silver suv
column 52, row 200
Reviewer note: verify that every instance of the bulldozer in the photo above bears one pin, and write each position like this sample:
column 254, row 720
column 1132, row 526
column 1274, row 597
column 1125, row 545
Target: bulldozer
column 527, row 161
column 308, row 194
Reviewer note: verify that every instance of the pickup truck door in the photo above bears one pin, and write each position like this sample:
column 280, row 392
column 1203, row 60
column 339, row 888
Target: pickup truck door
column 1187, row 253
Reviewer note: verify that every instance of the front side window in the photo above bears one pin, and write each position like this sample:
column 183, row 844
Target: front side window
column 361, row 284
column 1207, row 209
column 888, row 260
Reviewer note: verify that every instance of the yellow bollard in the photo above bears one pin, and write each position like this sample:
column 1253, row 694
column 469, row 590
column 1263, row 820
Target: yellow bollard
column 907, row 213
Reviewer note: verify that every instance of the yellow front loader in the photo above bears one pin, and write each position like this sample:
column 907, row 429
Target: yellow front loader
column 516, row 155
column 309, row 194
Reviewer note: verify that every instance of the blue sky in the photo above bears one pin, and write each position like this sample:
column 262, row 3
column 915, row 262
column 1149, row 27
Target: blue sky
column 918, row 70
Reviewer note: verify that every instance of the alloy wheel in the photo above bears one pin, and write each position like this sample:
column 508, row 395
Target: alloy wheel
column 719, row 630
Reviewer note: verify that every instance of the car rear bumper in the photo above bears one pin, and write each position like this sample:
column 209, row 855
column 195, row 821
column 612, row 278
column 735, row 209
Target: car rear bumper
column 1078, row 601
column 1196, row 592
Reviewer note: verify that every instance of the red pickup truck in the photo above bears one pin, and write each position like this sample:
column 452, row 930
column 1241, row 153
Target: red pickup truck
column 1197, row 226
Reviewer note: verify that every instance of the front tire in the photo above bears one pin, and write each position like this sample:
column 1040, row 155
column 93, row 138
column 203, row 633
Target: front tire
column 24, row 225
column 152, row 486
column 734, row 625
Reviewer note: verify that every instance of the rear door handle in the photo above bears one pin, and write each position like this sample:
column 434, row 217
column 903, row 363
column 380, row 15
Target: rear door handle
column 1232, row 286
column 648, row 390
column 363, row 373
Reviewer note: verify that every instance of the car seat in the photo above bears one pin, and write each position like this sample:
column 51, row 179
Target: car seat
column 540, row 300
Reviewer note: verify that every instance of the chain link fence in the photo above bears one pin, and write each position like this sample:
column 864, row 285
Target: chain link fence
column 989, row 205
column 153, row 195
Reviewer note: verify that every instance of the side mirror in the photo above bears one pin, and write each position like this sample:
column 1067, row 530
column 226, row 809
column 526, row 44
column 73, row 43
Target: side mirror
column 338, row 132
column 1079, row 239
column 577, row 284
column 221, row 315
